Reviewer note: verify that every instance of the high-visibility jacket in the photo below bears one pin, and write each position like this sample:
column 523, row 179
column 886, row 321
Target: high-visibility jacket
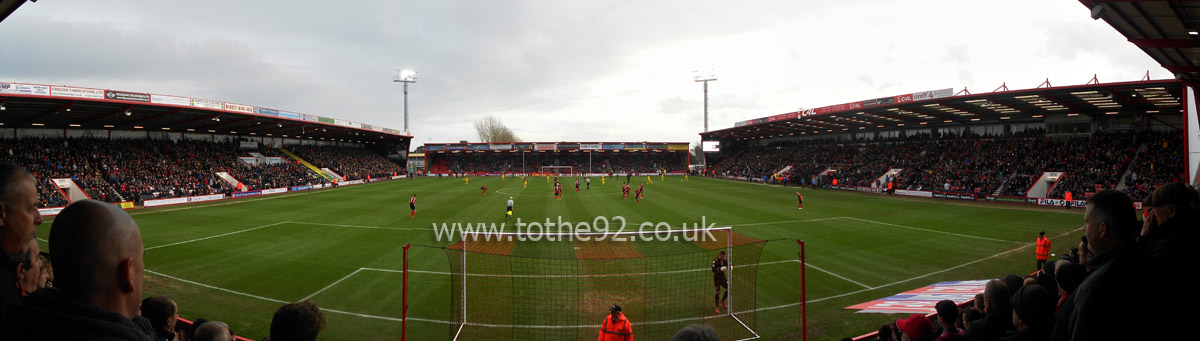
column 1043, row 248
column 616, row 331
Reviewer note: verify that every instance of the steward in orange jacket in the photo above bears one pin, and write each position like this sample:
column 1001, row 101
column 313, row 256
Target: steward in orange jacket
column 616, row 326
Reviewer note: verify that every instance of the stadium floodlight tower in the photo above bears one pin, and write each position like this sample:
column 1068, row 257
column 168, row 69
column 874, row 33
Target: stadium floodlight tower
column 406, row 77
column 705, row 79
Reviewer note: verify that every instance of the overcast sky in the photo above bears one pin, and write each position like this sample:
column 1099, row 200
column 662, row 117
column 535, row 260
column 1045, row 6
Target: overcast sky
column 560, row 70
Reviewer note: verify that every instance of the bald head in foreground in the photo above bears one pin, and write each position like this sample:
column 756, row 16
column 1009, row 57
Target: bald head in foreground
column 98, row 256
column 98, row 278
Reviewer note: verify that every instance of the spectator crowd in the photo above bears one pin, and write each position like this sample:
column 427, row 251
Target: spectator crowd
column 119, row 170
column 969, row 163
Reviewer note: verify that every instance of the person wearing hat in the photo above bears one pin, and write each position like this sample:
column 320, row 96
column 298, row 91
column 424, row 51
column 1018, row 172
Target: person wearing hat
column 1033, row 313
column 1043, row 249
column 916, row 327
column 615, row 327
column 1169, row 229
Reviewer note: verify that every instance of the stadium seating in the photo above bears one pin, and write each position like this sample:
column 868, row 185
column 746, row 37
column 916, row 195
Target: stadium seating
column 120, row 170
column 512, row 162
column 980, row 165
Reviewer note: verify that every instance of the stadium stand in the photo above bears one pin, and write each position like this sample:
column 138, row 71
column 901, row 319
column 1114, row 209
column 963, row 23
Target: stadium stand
column 120, row 170
column 495, row 162
column 976, row 164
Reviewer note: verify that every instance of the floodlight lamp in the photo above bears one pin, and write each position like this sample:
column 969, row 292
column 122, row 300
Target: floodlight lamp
column 408, row 76
column 128, row 112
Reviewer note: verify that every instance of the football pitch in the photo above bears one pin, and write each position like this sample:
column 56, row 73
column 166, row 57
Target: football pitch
column 239, row 260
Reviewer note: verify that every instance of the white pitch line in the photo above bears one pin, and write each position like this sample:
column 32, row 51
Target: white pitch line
column 363, row 226
column 928, row 230
column 573, row 276
column 331, row 284
column 836, row 275
column 217, row 288
column 216, row 236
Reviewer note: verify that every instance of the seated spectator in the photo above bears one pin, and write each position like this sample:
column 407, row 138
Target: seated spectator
column 947, row 314
column 1116, row 292
column 163, row 312
column 1068, row 276
column 696, row 332
column 997, row 320
column 884, row 333
column 916, row 327
column 98, row 255
column 1169, row 232
column 47, row 269
column 969, row 316
column 213, row 331
column 20, row 218
column 300, row 321
column 29, row 270
column 1033, row 313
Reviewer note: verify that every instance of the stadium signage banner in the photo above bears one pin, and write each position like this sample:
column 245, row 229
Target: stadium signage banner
column 568, row 146
column 923, row 300
column 635, row 146
column 207, row 104
column 247, row 194
column 45, row 211
column 503, row 146
column 590, row 146
column 126, row 96
column 171, row 100
column 523, row 146
column 265, row 111
column 323, row 119
column 925, row 95
column 739, row 123
column 66, row 91
column 211, row 197
column 544, row 146
column 342, row 122
column 301, row 188
column 27, row 89
column 923, row 194
column 239, row 108
column 678, row 146
column 656, row 146
column 275, row 191
column 1061, row 202
column 1021, row 200
column 613, row 146
column 457, row 147
column 903, row 98
column 782, row 117
column 435, row 147
column 956, row 196
column 479, row 147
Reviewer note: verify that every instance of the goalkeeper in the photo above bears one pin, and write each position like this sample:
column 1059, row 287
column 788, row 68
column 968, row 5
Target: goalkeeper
column 719, row 266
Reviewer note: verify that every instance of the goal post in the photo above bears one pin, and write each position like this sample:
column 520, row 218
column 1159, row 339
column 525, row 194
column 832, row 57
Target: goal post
column 558, row 170
column 556, row 286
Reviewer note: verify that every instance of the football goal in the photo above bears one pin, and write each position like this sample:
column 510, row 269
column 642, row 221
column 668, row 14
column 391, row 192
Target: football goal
column 552, row 286
column 558, row 170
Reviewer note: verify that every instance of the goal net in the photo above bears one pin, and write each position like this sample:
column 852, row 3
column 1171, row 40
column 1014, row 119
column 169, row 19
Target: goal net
column 560, row 286
column 558, row 170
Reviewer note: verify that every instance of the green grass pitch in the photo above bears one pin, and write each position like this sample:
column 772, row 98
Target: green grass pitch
column 238, row 260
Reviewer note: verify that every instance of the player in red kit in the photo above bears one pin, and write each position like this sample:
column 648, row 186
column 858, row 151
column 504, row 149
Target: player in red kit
column 484, row 189
column 637, row 196
column 412, row 204
column 576, row 185
column 557, row 191
column 799, row 200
